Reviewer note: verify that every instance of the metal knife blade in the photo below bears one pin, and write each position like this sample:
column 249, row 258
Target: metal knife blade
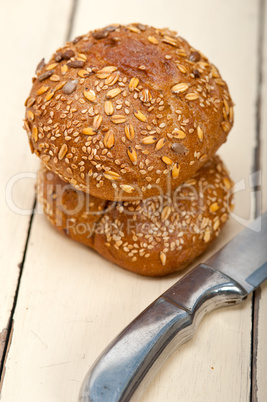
column 244, row 257
column 127, row 365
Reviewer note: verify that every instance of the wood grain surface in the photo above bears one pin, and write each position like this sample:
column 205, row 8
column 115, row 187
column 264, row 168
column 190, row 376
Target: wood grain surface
column 66, row 303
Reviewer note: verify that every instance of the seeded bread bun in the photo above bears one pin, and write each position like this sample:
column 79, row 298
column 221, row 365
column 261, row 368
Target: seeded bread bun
column 153, row 237
column 127, row 111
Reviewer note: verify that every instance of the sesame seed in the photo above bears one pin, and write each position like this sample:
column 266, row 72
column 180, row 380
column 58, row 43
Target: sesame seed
column 163, row 258
column 207, row 235
column 216, row 225
column 200, row 133
column 62, row 152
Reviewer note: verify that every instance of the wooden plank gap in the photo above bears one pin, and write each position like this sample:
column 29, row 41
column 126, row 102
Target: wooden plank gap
column 7, row 346
column 257, row 196
column 71, row 19
column 9, row 329
column 255, row 337
column 258, row 106
column 3, row 336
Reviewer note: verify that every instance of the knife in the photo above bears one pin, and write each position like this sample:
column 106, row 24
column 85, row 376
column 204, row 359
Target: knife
column 128, row 364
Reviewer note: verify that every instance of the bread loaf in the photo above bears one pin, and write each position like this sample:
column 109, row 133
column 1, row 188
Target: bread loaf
column 127, row 112
column 152, row 237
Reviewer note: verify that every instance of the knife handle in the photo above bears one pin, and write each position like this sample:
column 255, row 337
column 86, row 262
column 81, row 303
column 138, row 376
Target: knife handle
column 132, row 359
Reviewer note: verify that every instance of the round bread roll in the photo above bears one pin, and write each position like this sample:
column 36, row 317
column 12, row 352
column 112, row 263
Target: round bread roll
column 127, row 112
column 152, row 237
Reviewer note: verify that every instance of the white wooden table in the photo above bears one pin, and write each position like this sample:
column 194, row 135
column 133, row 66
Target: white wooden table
column 60, row 303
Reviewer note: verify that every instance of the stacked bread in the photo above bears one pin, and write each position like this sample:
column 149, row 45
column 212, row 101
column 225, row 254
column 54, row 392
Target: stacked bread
column 126, row 121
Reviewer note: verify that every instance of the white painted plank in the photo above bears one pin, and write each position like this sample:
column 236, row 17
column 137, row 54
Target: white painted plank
column 22, row 47
column 78, row 303
column 24, row 30
column 72, row 302
column 261, row 346
column 262, row 315
column 263, row 150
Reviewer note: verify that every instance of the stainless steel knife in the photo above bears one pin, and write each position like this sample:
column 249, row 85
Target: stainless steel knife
column 126, row 366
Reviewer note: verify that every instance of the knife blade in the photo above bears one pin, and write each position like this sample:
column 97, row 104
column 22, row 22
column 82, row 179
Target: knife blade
column 131, row 360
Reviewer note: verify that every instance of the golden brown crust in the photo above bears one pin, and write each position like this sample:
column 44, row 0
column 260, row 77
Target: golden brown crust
column 153, row 237
column 127, row 111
